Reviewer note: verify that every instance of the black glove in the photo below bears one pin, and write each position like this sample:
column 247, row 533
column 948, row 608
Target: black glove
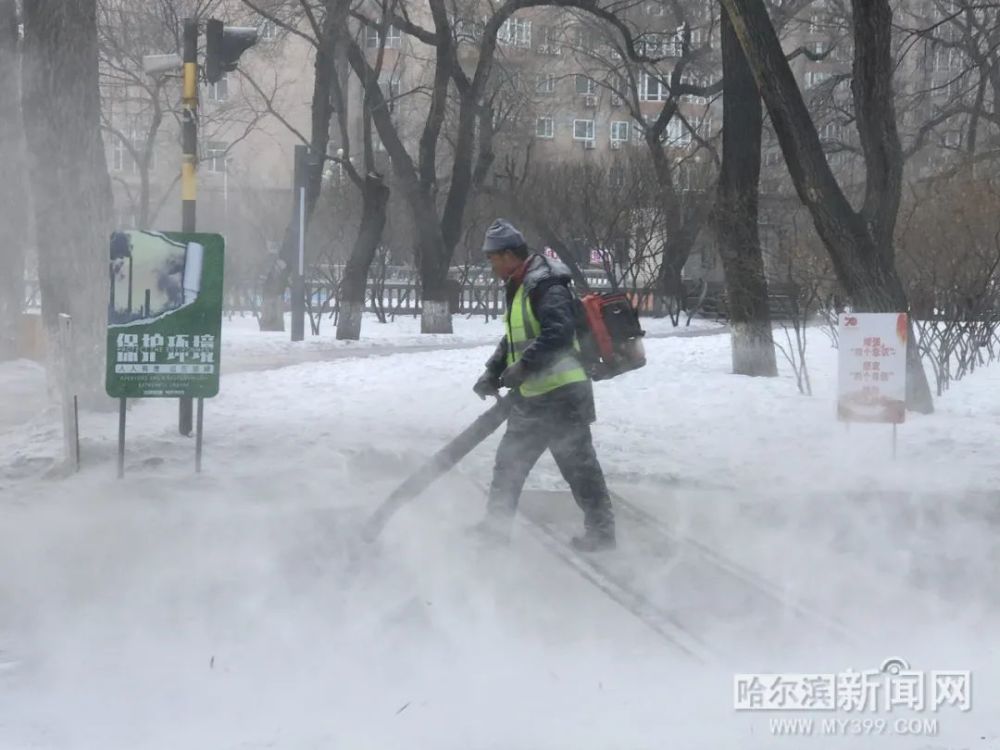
column 487, row 385
column 513, row 376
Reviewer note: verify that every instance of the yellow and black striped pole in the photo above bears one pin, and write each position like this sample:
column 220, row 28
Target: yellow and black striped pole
column 189, row 165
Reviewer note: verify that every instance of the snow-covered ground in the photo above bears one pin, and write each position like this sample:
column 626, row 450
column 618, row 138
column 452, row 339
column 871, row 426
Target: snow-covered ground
column 236, row 609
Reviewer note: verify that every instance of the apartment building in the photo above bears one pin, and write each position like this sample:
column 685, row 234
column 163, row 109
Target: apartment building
column 561, row 81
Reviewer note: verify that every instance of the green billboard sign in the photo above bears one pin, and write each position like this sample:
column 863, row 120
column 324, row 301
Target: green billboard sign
column 165, row 315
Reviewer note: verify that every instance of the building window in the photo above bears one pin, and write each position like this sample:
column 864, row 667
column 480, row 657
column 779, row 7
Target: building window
column 585, row 84
column 832, row 132
column 219, row 91
column 585, row 39
column 644, row 46
column 953, row 139
column 675, row 46
column 121, row 159
column 654, row 9
column 705, row 127
column 616, row 176
column 545, row 127
column 677, row 135
column 121, row 156
column 815, row 24
column 698, row 81
column 619, row 131
column 373, row 39
column 466, row 29
column 947, row 60
column 515, row 32
column 546, row 84
column 583, row 130
column 266, row 30
column 215, row 157
column 652, row 89
column 843, row 52
column 548, row 43
column 816, row 77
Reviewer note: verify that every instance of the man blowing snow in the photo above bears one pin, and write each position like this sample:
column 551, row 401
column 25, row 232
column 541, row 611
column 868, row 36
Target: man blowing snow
column 553, row 399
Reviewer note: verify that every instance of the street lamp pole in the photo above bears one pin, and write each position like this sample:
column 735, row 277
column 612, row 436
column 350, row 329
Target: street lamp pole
column 298, row 287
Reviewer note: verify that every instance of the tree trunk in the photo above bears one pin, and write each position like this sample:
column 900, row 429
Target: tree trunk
column 670, row 284
column 682, row 226
column 14, row 206
column 432, row 263
column 682, row 234
column 859, row 243
column 70, row 183
column 435, row 317
column 737, row 214
column 375, row 201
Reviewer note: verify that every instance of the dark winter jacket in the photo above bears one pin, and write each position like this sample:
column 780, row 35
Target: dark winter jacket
column 546, row 282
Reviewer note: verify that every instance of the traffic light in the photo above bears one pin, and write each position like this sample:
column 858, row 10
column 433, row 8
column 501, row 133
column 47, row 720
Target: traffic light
column 224, row 45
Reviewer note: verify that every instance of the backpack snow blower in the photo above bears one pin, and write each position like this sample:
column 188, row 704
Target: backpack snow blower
column 610, row 335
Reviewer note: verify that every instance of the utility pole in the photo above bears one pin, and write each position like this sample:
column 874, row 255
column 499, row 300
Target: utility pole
column 189, row 166
column 224, row 45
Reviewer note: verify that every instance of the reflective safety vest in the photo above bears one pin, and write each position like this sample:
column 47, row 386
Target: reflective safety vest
column 523, row 328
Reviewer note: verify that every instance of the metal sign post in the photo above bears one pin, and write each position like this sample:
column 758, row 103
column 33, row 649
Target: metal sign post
column 70, row 416
column 299, row 276
column 121, row 437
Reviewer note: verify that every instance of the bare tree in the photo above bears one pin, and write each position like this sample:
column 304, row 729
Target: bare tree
column 315, row 23
column 608, row 208
column 438, row 224
column 70, row 184
column 951, row 53
column 860, row 242
column 666, row 81
column 325, row 26
column 737, row 214
column 134, row 105
column 369, row 182
column 14, row 204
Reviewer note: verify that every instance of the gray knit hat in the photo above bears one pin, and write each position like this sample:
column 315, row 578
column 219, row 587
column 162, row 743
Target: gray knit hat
column 502, row 235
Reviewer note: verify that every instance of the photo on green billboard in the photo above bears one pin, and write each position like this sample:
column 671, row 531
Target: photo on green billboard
column 164, row 315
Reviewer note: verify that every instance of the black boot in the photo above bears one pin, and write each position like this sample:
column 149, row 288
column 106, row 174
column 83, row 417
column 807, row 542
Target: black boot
column 594, row 540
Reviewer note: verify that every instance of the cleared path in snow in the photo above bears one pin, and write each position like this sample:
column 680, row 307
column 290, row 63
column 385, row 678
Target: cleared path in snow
column 234, row 362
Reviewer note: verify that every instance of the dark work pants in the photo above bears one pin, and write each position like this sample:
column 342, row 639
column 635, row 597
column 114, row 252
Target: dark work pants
column 572, row 447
